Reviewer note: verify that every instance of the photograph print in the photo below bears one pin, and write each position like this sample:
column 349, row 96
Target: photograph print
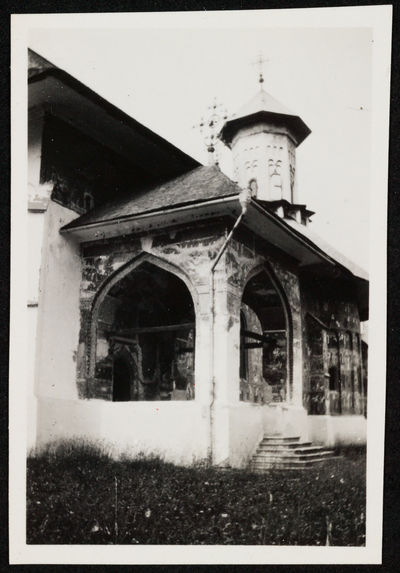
column 198, row 257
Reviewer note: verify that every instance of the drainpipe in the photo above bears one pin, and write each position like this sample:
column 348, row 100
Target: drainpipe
column 244, row 200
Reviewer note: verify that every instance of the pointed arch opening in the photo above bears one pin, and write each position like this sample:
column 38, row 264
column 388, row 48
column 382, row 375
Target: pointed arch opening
column 265, row 364
column 143, row 337
column 124, row 380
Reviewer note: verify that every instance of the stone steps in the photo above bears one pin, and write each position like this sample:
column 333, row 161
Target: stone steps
column 290, row 456
column 290, row 445
column 305, row 466
column 296, row 451
column 286, row 464
column 278, row 452
column 281, row 439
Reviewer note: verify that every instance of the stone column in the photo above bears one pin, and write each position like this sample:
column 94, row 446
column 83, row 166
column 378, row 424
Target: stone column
column 226, row 358
column 203, row 364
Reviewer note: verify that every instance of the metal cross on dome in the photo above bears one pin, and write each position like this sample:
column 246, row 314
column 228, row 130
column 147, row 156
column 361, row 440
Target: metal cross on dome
column 209, row 127
column 260, row 63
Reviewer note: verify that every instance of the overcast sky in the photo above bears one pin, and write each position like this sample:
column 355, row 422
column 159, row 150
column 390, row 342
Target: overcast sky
column 166, row 78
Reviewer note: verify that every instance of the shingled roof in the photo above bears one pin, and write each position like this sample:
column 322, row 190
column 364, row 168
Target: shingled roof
column 200, row 184
column 262, row 101
column 264, row 107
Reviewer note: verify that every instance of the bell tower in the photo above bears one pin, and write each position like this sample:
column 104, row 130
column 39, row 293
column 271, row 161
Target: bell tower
column 263, row 137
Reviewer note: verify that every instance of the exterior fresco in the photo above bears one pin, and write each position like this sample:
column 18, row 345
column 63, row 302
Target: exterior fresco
column 301, row 360
column 332, row 356
column 194, row 256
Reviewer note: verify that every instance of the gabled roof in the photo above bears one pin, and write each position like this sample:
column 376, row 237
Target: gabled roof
column 37, row 64
column 203, row 194
column 200, row 184
column 263, row 107
column 329, row 250
column 79, row 105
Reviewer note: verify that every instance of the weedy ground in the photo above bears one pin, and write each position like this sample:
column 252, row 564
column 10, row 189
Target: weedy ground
column 77, row 494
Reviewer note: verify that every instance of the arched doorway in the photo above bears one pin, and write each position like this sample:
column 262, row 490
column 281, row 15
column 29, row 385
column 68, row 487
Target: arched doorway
column 145, row 336
column 122, row 379
column 264, row 342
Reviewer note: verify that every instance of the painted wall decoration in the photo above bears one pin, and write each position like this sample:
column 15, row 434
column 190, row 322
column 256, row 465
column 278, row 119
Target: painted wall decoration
column 332, row 366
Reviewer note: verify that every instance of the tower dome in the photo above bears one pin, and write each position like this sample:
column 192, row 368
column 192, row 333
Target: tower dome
column 263, row 136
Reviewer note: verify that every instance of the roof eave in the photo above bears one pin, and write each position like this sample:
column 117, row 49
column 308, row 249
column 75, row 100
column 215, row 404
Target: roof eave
column 150, row 221
column 294, row 122
column 257, row 219
column 119, row 115
column 163, row 218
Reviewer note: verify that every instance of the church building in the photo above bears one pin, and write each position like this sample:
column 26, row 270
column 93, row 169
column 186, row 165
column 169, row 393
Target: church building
column 173, row 310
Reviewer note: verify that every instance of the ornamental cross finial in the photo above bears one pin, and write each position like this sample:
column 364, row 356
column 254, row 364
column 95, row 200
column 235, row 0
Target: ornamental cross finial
column 209, row 127
column 260, row 63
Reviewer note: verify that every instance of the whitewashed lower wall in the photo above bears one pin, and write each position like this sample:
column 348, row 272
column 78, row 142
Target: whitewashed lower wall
column 338, row 430
column 32, row 312
column 246, row 431
column 250, row 422
column 58, row 312
column 294, row 422
column 176, row 431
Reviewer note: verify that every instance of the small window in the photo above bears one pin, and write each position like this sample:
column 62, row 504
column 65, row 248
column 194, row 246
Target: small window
column 333, row 378
column 88, row 201
column 253, row 186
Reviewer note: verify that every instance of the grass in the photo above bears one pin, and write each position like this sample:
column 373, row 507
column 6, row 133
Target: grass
column 76, row 494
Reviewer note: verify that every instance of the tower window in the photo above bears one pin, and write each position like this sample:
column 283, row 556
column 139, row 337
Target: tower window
column 88, row 201
column 253, row 187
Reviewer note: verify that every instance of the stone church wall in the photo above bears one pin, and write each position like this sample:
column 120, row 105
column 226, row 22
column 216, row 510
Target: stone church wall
column 191, row 251
column 186, row 252
column 241, row 262
column 58, row 319
column 331, row 351
column 182, row 432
